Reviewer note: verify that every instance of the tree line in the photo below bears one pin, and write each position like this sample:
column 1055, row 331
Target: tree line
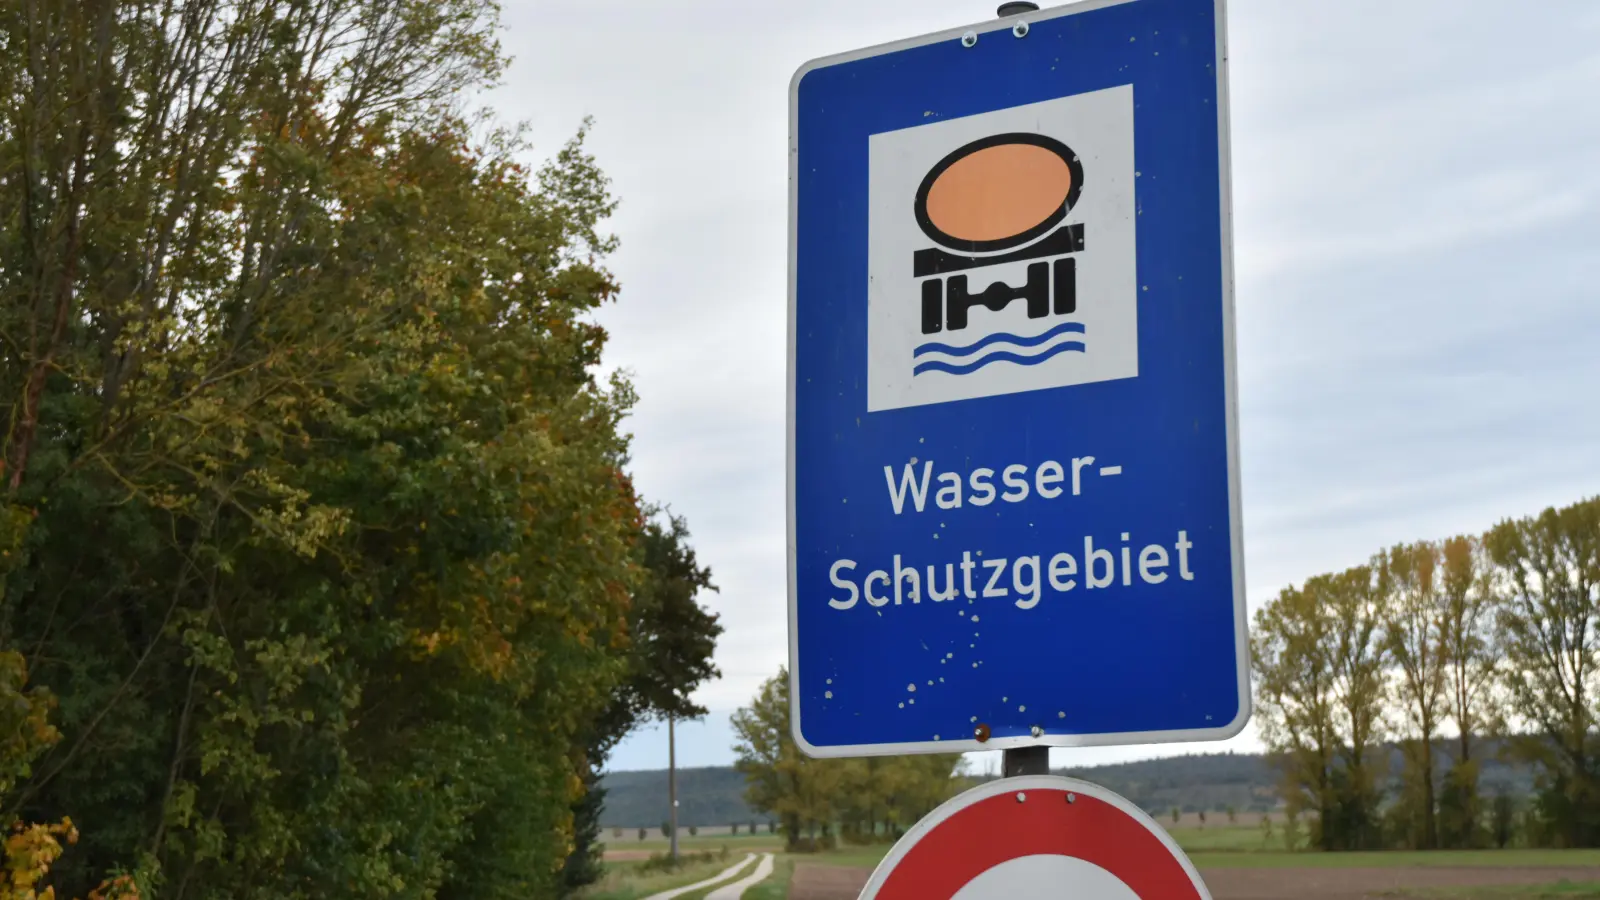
column 816, row 802
column 1435, row 647
column 321, row 571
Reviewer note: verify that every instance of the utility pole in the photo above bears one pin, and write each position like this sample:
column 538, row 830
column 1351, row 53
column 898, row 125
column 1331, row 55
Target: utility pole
column 672, row 788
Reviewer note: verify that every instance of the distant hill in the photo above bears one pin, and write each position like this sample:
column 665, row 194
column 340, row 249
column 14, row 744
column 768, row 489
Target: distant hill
column 710, row 796
column 1246, row 782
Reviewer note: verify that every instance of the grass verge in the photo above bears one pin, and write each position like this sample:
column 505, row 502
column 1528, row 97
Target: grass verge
column 776, row 887
column 1390, row 858
column 868, row 857
column 1561, row 890
column 627, row 881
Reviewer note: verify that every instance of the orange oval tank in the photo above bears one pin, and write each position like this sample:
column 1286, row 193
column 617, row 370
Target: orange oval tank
column 999, row 192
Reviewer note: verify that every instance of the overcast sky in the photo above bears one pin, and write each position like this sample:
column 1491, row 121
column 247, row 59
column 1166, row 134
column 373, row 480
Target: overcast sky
column 1417, row 213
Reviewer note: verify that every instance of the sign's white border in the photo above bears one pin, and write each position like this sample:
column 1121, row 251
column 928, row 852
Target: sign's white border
column 1022, row 785
column 1230, row 381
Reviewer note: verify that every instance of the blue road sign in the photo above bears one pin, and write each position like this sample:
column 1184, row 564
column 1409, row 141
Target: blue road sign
column 1013, row 464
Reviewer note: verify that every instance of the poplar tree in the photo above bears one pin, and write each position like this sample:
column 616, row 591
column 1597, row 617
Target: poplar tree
column 1292, row 645
column 1356, row 601
column 1414, row 624
column 1547, row 592
column 1469, row 653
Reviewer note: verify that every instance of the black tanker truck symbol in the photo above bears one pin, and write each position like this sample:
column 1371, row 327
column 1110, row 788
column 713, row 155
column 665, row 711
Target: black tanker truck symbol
column 1000, row 199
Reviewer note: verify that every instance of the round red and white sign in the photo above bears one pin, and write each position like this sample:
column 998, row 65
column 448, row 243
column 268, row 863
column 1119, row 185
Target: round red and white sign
column 1037, row 837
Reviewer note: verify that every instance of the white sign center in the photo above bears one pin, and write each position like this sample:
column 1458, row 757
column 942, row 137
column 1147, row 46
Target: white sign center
column 1046, row 877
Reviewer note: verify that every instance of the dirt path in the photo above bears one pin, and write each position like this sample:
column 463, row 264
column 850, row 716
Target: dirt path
column 816, row 882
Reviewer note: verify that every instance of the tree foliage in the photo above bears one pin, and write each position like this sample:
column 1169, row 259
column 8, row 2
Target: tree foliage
column 315, row 517
column 865, row 798
column 1477, row 635
column 1547, row 587
column 1414, row 614
column 671, row 641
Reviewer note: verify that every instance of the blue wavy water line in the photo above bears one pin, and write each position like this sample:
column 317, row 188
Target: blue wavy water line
column 939, row 365
column 968, row 350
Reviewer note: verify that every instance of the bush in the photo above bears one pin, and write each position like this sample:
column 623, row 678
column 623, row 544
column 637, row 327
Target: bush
column 663, row 862
column 734, row 829
column 694, row 830
column 643, row 832
column 1502, row 820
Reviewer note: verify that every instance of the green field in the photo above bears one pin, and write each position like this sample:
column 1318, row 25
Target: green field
column 1216, row 848
column 1561, row 891
column 1279, row 859
column 1208, row 848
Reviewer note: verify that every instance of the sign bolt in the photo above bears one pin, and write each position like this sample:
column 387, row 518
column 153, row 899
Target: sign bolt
column 1021, row 797
column 969, row 39
column 1020, row 29
column 1072, row 798
column 981, row 733
column 1037, row 731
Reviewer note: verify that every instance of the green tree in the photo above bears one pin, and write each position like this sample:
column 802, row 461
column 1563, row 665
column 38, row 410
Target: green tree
column 1502, row 819
column 1547, row 586
column 811, row 795
column 671, row 638
column 1460, row 812
column 1356, row 600
column 1292, row 652
column 1291, row 830
column 1414, row 611
column 780, row 780
column 1469, row 652
column 1320, row 666
column 311, row 357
